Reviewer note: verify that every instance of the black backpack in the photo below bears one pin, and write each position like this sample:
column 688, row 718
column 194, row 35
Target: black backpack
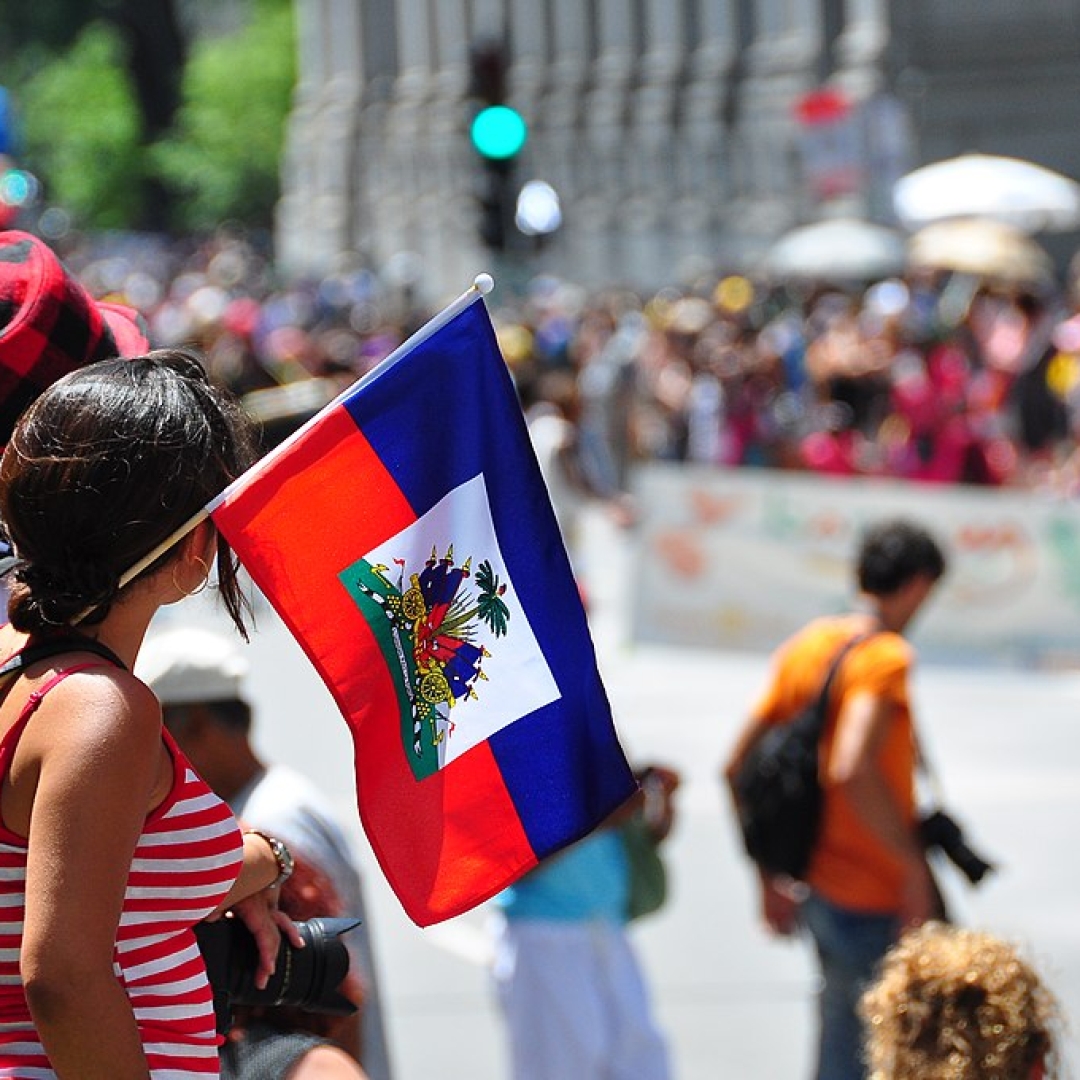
column 778, row 789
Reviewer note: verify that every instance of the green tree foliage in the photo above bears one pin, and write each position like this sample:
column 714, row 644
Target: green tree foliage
column 224, row 151
column 84, row 135
column 81, row 130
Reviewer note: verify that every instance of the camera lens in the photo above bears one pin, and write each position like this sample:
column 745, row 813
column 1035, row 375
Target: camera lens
column 309, row 977
column 306, row 978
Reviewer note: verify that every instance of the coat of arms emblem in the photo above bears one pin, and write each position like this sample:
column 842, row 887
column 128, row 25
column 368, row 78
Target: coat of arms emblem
column 433, row 624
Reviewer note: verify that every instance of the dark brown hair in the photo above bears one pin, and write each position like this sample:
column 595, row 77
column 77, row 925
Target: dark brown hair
column 102, row 468
column 893, row 553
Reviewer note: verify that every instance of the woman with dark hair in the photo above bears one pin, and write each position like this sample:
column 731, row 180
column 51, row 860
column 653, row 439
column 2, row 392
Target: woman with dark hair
column 111, row 847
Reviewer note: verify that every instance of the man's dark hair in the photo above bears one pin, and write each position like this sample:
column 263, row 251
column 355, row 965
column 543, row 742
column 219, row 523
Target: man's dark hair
column 231, row 713
column 892, row 553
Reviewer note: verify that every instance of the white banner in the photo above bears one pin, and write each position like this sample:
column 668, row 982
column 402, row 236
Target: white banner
column 742, row 558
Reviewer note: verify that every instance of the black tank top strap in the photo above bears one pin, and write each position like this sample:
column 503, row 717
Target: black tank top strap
column 42, row 648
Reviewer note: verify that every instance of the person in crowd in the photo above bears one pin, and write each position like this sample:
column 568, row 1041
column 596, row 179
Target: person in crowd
column 957, row 1004
column 113, row 846
column 551, row 404
column 572, row 994
column 285, row 1041
column 868, row 876
column 201, row 677
column 931, row 376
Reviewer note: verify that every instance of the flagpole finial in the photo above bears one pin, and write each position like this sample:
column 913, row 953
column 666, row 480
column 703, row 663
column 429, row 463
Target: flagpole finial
column 483, row 283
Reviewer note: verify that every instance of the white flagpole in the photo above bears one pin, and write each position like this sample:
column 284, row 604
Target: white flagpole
column 133, row 571
column 481, row 286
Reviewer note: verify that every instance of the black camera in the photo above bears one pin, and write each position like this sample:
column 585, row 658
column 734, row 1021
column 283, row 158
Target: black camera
column 307, row 978
column 938, row 830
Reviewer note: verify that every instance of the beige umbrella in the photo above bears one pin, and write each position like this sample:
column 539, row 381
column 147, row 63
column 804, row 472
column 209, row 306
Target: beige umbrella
column 986, row 249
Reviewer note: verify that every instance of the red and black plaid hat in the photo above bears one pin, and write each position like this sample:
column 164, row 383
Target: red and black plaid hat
column 50, row 325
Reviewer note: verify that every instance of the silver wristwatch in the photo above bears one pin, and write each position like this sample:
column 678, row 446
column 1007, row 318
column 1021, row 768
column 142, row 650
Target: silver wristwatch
column 282, row 855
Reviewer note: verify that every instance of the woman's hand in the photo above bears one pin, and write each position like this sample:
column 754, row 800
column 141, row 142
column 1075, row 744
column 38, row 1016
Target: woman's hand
column 255, row 900
column 267, row 923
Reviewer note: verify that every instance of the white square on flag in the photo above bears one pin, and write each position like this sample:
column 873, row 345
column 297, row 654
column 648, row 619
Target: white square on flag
column 443, row 566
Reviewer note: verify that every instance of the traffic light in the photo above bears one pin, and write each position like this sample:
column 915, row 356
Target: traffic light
column 497, row 134
column 18, row 190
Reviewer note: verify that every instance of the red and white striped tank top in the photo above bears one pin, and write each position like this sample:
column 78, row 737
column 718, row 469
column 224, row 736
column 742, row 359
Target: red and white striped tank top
column 185, row 862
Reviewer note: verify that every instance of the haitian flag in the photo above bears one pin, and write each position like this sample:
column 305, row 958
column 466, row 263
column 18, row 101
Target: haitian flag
column 406, row 538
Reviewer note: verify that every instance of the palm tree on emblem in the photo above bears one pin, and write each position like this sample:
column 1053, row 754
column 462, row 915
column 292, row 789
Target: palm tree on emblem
column 490, row 605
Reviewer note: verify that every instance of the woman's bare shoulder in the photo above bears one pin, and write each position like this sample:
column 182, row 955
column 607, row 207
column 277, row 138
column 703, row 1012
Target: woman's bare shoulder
column 97, row 704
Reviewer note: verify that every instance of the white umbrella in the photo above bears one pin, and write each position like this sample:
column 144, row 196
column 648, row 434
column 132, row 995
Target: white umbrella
column 1006, row 189
column 838, row 249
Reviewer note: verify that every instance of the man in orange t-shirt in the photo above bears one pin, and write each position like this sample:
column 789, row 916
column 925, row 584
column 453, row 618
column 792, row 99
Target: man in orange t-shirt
column 868, row 877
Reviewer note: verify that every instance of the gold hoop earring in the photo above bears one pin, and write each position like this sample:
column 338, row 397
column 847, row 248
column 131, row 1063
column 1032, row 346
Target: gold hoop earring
column 206, row 575
column 199, row 588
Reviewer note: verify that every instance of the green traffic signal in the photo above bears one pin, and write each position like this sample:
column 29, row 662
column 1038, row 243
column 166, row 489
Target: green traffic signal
column 498, row 132
column 15, row 187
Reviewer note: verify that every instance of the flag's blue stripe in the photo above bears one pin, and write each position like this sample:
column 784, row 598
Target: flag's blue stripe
column 562, row 766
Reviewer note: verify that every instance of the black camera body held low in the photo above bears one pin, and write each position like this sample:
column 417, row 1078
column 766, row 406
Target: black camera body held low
column 939, row 831
column 309, row 978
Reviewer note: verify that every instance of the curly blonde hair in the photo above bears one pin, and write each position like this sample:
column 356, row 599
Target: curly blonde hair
column 952, row 1004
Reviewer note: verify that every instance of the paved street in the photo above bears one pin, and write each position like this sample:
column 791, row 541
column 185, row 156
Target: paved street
column 735, row 1003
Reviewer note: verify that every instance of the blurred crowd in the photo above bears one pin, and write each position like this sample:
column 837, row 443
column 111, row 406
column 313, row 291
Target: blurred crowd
column 933, row 377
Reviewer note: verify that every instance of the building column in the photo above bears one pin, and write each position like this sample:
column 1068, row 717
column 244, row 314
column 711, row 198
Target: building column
column 295, row 216
column 704, row 185
column 403, row 133
column 340, row 117
column 330, row 177
column 647, row 219
column 606, row 160
column 563, row 108
column 528, row 26
column 781, row 63
column 444, row 223
column 886, row 135
column 373, row 186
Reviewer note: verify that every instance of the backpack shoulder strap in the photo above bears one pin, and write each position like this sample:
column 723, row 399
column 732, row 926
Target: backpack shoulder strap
column 820, row 705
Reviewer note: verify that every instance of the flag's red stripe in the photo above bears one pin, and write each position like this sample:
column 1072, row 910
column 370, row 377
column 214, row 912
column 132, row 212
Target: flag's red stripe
column 296, row 534
column 455, row 837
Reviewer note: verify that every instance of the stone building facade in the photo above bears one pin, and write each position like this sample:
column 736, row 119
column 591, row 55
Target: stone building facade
column 680, row 135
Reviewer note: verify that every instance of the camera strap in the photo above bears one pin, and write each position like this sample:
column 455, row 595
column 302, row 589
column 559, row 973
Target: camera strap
column 930, row 775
